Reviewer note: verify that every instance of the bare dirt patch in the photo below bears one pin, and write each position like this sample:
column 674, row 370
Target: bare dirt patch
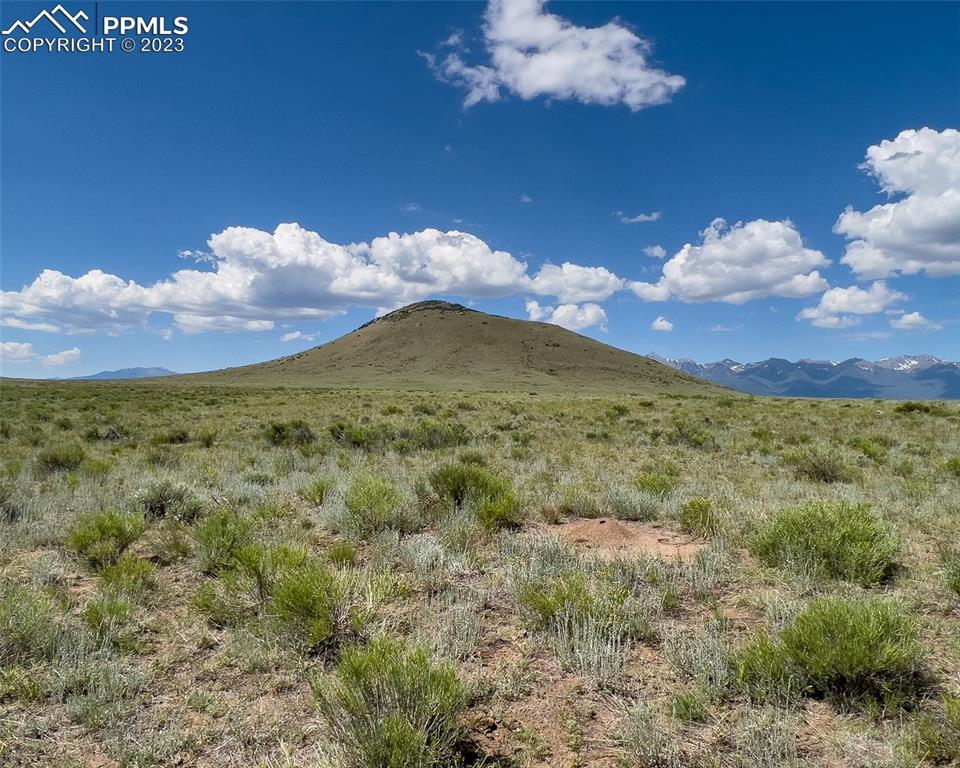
column 615, row 538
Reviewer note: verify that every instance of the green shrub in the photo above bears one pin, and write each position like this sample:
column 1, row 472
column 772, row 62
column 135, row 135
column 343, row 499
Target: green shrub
column 173, row 436
column 698, row 517
column 952, row 466
column 375, row 504
column 764, row 671
column 107, row 615
column 457, row 482
column 31, row 627
column 910, row 406
column 503, row 510
column 165, row 497
column 218, row 539
column 306, row 606
column 296, row 432
column 265, row 566
column 825, row 465
column 392, row 706
column 834, row 539
column 689, row 707
column 855, row 648
column 342, row 553
column 102, row 537
column 655, row 484
column 61, row 458
column 317, row 491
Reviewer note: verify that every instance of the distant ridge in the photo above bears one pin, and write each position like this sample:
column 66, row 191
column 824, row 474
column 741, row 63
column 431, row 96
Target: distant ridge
column 917, row 377
column 439, row 345
column 127, row 373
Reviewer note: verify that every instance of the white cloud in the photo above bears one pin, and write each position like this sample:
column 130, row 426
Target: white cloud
column 655, row 251
column 571, row 283
column 720, row 328
column 24, row 325
column 661, row 324
column 410, row 208
column 914, row 321
column 16, row 352
column 295, row 335
column 736, row 264
column 526, row 199
column 67, row 357
column 533, row 53
column 640, row 218
column 842, row 307
column 921, row 231
column 573, row 317
column 258, row 278
column 191, row 324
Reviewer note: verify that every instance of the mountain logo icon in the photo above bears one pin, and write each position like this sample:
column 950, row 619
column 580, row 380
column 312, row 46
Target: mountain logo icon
column 59, row 17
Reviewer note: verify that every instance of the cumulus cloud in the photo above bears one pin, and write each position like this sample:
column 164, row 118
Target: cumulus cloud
column 739, row 263
column 574, row 317
column 526, row 199
column 257, row 278
column 842, row 307
column 534, row 53
column 640, row 218
column 914, row 321
column 655, row 251
column 920, row 232
column 67, row 357
column 24, row 325
column 16, row 352
column 295, row 335
column 661, row 324
column 571, row 283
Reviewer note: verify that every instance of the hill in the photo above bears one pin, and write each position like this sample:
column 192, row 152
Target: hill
column 915, row 377
column 437, row 345
column 127, row 373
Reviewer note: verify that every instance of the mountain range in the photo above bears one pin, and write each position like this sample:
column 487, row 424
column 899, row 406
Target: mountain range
column 127, row 373
column 918, row 377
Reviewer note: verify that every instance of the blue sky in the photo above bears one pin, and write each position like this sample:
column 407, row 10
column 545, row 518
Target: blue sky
column 349, row 120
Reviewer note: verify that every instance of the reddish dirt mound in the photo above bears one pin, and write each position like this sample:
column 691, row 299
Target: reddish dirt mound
column 615, row 538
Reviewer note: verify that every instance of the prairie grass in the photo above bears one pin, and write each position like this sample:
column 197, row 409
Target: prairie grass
column 300, row 577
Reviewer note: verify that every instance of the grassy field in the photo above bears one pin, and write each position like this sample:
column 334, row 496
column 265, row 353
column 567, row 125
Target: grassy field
column 230, row 576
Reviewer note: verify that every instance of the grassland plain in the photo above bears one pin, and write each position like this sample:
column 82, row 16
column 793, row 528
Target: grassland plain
column 240, row 576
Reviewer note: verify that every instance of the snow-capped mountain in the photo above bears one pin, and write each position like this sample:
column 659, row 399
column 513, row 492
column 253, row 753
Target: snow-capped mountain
column 903, row 377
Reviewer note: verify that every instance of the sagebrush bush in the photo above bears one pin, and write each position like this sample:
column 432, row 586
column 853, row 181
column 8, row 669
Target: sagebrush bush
column 306, row 605
column 855, row 648
column 392, row 706
column 172, row 436
column 218, row 538
column 102, row 537
column 825, row 465
column 9, row 509
column 952, row 466
column 165, row 497
column 375, row 504
column 833, row 539
column 295, row 432
column 457, row 482
column 60, row 458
